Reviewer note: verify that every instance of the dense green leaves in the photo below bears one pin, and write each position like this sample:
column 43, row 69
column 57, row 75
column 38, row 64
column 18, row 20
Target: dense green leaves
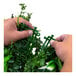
column 29, row 54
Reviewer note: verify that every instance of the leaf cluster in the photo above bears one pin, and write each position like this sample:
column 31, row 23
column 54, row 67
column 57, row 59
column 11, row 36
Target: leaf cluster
column 29, row 54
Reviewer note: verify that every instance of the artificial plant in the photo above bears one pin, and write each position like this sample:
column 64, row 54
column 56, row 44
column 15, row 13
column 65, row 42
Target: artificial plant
column 29, row 54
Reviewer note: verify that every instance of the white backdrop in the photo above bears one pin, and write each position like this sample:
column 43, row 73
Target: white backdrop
column 50, row 16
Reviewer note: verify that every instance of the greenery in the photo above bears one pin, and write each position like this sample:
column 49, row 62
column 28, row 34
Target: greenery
column 29, row 54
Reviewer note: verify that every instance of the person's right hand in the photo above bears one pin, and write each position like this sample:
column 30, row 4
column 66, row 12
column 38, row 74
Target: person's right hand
column 63, row 47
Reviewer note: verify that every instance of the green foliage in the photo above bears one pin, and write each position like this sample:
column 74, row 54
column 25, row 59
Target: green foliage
column 7, row 56
column 20, row 55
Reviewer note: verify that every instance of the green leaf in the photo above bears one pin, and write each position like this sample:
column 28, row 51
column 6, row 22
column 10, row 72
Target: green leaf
column 7, row 58
column 6, row 51
column 42, row 62
column 51, row 67
column 5, row 67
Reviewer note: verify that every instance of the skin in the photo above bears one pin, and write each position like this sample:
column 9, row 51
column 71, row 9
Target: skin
column 63, row 47
column 11, row 33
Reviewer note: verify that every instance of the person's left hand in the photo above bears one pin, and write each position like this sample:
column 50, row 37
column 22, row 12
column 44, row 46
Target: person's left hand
column 12, row 34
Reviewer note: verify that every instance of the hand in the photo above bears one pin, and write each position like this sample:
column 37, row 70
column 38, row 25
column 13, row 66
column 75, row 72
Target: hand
column 63, row 47
column 11, row 33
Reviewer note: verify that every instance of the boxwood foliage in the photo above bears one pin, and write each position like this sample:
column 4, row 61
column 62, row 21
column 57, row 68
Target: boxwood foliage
column 29, row 54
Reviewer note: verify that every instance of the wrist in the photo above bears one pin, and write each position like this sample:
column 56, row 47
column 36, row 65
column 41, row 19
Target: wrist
column 67, row 66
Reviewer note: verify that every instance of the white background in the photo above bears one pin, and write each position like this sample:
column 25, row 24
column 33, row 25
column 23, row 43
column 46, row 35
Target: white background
column 50, row 16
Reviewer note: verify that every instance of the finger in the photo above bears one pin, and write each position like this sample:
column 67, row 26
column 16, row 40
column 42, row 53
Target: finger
column 22, row 34
column 7, row 19
column 21, row 20
column 55, row 44
column 62, row 37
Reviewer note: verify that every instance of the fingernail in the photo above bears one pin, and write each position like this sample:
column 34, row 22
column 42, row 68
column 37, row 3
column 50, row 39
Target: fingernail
column 30, row 32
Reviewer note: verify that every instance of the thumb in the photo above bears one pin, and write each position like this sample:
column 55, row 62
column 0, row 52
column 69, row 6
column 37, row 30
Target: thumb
column 54, row 43
column 22, row 34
